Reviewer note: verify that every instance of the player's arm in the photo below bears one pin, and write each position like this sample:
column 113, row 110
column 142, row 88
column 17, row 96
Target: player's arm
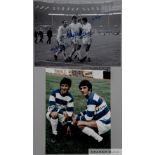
column 69, row 33
column 80, row 30
column 59, row 35
column 79, row 115
column 52, row 104
column 70, row 109
column 89, row 113
column 89, row 30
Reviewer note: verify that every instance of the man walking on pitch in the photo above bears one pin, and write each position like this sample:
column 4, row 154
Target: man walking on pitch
column 61, row 36
column 86, row 38
column 49, row 36
column 75, row 32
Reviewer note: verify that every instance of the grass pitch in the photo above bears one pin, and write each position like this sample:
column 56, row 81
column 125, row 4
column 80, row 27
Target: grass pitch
column 104, row 51
column 78, row 143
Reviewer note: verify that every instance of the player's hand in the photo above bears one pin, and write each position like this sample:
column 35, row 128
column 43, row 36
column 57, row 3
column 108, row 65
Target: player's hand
column 54, row 115
column 74, row 117
column 65, row 116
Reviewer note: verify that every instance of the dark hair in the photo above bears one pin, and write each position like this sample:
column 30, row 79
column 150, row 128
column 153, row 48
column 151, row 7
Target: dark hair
column 85, row 83
column 84, row 19
column 79, row 20
column 64, row 21
column 66, row 81
column 74, row 17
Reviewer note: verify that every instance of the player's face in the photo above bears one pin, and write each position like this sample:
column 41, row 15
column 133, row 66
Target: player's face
column 65, row 24
column 75, row 20
column 84, row 90
column 64, row 88
column 83, row 22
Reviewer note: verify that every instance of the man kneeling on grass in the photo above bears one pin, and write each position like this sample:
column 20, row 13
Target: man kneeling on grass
column 60, row 107
column 96, row 115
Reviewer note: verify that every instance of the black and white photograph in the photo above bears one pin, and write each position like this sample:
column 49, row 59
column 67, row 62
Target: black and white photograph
column 79, row 33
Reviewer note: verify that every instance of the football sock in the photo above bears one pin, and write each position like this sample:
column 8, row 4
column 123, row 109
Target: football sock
column 87, row 54
column 73, row 51
column 64, row 55
column 79, row 54
column 90, row 132
column 54, row 124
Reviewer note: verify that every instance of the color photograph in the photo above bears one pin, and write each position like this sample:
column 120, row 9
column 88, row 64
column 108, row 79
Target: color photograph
column 78, row 111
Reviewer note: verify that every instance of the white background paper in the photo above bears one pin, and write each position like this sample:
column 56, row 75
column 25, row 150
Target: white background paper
column 16, row 63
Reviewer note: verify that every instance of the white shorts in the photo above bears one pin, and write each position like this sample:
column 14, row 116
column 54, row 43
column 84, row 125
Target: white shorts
column 60, row 117
column 102, row 128
column 76, row 40
column 86, row 40
column 63, row 41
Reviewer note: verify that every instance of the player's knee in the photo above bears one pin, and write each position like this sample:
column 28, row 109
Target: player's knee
column 54, row 115
column 48, row 115
column 109, row 127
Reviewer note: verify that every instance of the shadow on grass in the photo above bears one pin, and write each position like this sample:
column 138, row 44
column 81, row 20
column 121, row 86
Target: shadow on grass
column 78, row 143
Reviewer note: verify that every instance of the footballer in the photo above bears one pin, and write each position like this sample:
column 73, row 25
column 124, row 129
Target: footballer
column 60, row 107
column 86, row 38
column 61, row 36
column 96, row 115
column 75, row 32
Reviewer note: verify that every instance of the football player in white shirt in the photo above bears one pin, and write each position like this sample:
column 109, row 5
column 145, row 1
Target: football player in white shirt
column 61, row 36
column 86, row 38
column 75, row 33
